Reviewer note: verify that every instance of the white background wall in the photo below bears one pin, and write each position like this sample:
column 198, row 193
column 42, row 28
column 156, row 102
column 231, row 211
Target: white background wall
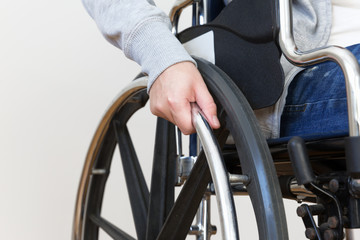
column 57, row 76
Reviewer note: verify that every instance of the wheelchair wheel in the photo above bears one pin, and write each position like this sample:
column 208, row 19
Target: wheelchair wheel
column 155, row 214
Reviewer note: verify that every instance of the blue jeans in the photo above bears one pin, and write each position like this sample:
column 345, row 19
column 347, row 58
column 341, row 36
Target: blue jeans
column 316, row 104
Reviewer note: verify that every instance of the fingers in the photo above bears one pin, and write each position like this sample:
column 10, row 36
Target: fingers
column 173, row 92
column 174, row 108
column 177, row 112
column 208, row 106
column 180, row 110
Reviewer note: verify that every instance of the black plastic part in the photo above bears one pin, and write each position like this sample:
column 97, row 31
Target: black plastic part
column 352, row 151
column 180, row 218
column 309, row 221
column 300, row 161
column 135, row 181
column 316, row 209
column 163, row 178
column 110, row 228
column 333, row 206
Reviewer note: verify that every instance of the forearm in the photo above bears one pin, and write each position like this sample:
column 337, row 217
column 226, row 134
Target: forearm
column 141, row 30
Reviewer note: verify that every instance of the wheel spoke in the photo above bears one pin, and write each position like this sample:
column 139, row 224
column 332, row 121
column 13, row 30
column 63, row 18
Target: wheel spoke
column 180, row 218
column 110, row 228
column 182, row 214
column 134, row 177
column 163, row 177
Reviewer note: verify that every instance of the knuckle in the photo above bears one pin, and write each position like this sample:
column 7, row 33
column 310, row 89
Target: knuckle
column 156, row 108
column 172, row 102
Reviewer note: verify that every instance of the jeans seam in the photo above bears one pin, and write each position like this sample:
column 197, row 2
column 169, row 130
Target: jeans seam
column 288, row 108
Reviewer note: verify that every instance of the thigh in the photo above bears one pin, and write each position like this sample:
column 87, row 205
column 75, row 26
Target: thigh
column 316, row 102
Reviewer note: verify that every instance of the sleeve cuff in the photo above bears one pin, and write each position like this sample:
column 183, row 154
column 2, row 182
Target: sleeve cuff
column 155, row 48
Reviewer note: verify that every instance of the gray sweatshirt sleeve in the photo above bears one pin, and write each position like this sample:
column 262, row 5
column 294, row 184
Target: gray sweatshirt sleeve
column 141, row 30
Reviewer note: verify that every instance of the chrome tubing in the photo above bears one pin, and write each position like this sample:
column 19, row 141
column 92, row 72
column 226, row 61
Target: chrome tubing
column 219, row 175
column 341, row 56
column 352, row 233
column 201, row 12
column 203, row 228
column 175, row 12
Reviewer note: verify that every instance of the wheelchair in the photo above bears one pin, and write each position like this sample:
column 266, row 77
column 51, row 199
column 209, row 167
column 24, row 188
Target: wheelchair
column 322, row 174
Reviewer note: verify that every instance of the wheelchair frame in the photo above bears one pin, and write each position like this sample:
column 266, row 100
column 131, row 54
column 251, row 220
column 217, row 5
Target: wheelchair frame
column 307, row 185
column 351, row 70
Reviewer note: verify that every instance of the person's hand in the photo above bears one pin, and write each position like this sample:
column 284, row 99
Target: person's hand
column 174, row 90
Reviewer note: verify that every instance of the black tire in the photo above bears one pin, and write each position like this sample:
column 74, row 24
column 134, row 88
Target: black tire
column 156, row 216
column 253, row 152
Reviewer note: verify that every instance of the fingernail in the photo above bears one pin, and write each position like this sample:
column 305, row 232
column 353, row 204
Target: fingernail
column 216, row 121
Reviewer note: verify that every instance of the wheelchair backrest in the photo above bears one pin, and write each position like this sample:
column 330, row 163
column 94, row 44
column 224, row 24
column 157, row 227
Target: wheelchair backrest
column 245, row 48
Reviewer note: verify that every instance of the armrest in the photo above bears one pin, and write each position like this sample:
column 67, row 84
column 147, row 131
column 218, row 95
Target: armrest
column 344, row 58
